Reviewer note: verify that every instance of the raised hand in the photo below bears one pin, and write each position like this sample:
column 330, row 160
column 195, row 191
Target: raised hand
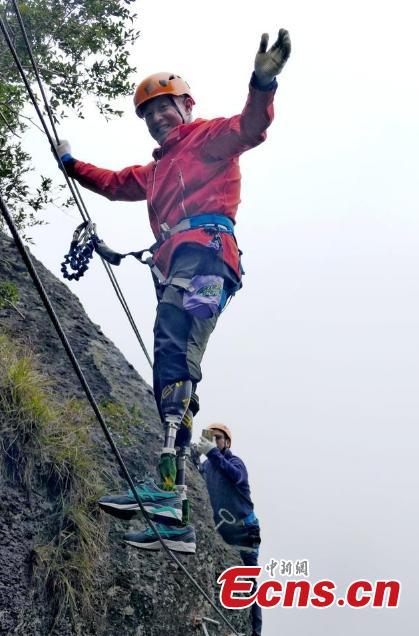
column 269, row 63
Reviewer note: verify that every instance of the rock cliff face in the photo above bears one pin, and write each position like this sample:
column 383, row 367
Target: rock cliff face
column 135, row 593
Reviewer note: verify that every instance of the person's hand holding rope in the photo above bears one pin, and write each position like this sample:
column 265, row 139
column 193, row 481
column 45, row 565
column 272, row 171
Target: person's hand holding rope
column 270, row 63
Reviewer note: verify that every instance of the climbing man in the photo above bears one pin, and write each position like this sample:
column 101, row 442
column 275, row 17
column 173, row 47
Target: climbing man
column 192, row 189
column 228, row 487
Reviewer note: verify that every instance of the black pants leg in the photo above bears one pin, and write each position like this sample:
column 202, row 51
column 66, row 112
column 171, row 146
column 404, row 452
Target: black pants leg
column 180, row 340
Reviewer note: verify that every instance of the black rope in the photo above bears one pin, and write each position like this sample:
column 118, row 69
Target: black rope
column 70, row 353
column 71, row 184
column 35, row 68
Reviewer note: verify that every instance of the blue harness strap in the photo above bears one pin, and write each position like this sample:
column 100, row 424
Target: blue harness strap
column 201, row 220
column 210, row 220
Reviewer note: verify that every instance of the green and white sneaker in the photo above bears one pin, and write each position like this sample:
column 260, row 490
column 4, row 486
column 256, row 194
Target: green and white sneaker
column 178, row 539
column 158, row 503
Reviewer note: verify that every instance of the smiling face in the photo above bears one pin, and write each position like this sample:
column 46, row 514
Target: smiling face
column 162, row 116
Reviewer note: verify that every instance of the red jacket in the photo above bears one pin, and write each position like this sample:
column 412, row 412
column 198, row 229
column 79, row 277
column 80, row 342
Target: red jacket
column 195, row 171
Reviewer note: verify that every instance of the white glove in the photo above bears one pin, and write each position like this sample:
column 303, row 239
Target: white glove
column 269, row 63
column 62, row 147
column 204, row 446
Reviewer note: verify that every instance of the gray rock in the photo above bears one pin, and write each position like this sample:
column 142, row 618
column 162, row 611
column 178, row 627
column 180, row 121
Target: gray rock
column 136, row 593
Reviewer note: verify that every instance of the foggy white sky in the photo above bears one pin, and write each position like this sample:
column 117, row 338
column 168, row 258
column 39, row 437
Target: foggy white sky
column 315, row 364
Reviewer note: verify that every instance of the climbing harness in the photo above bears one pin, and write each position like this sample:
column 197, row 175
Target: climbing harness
column 85, row 241
column 211, row 222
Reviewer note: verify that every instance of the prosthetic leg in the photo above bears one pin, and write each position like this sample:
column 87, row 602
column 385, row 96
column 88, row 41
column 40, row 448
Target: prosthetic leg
column 182, row 445
column 174, row 405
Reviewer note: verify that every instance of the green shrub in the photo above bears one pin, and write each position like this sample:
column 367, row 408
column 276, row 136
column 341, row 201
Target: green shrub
column 48, row 441
column 8, row 294
column 120, row 418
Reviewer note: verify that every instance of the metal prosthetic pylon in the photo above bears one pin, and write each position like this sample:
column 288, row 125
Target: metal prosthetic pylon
column 174, row 404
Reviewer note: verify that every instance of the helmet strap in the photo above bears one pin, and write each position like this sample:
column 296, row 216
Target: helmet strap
column 172, row 99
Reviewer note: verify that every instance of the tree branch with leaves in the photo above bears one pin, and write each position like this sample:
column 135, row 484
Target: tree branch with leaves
column 82, row 50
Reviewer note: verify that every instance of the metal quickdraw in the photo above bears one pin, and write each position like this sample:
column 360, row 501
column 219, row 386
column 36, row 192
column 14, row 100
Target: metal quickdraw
column 85, row 242
column 81, row 251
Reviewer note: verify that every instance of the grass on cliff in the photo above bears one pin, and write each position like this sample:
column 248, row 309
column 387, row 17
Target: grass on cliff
column 46, row 443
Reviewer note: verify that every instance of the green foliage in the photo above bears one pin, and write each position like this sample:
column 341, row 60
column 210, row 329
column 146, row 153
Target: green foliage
column 81, row 48
column 24, row 409
column 120, row 418
column 48, row 441
column 8, row 294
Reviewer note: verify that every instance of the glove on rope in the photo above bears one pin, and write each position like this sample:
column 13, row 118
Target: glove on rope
column 63, row 150
column 270, row 63
column 204, row 446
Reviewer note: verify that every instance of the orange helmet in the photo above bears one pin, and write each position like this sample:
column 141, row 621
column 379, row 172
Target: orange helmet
column 160, row 84
column 223, row 428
